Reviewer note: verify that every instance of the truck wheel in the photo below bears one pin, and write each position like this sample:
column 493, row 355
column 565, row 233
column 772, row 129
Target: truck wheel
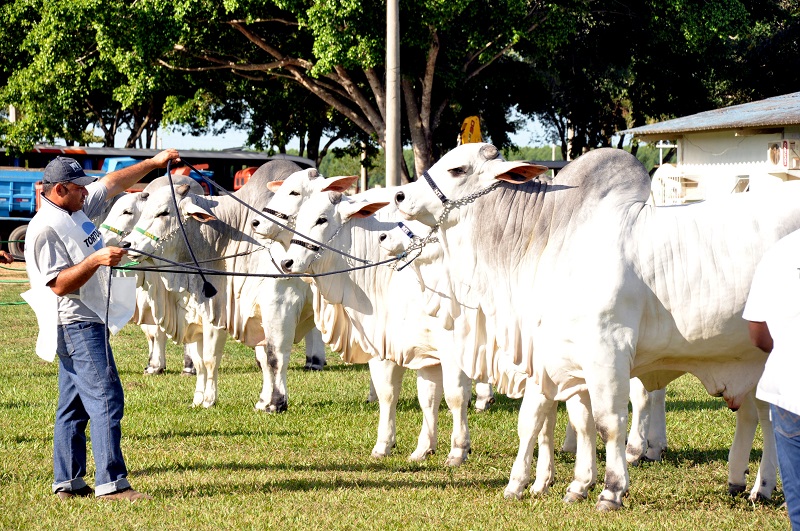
column 16, row 243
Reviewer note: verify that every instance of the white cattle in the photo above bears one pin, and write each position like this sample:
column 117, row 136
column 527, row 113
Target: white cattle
column 289, row 196
column 375, row 315
column 266, row 313
column 118, row 223
column 605, row 287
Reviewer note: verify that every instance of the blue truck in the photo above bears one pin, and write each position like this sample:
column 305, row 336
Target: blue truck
column 19, row 201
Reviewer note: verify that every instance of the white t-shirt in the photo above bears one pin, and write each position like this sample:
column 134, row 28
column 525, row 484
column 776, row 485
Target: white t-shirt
column 775, row 299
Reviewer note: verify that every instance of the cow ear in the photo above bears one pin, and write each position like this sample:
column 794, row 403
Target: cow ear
column 196, row 212
column 339, row 184
column 182, row 189
column 521, row 173
column 273, row 186
column 361, row 209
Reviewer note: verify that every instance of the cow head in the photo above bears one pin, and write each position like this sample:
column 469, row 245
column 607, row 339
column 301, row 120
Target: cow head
column 124, row 215
column 466, row 170
column 289, row 195
column 322, row 217
column 159, row 222
column 406, row 237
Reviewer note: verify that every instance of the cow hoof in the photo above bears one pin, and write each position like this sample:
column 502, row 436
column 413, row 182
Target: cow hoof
column 153, row 370
column 736, row 490
column 514, row 490
column 758, row 497
column 421, row 455
column 382, row 450
column 312, row 368
column 605, row 506
column 189, row 371
column 455, row 460
column 540, row 488
column 573, row 497
column 483, row 406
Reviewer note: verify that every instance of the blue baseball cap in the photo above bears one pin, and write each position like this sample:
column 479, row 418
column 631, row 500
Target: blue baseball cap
column 66, row 170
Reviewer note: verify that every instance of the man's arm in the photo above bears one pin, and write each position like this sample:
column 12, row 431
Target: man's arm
column 72, row 278
column 760, row 335
column 5, row 258
column 120, row 180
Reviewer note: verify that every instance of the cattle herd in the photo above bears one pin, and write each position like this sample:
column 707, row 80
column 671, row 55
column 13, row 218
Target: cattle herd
column 569, row 289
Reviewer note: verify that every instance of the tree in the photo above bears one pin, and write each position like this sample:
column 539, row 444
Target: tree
column 335, row 50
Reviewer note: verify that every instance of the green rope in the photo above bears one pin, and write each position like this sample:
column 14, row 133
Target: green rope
column 12, row 268
column 20, row 303
column 14, row 281
column 12, row 241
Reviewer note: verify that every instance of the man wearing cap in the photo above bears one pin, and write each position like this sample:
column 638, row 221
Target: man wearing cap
column 77, row 302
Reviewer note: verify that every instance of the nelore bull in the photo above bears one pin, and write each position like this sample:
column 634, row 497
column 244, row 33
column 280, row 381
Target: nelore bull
column 584, row 286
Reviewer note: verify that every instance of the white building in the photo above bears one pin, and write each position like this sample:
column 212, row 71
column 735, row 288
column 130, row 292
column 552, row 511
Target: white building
column 730, row 150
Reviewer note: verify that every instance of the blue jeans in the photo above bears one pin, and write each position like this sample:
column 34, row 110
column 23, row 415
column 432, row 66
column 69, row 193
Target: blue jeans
column 89, row 392
column 787, row 436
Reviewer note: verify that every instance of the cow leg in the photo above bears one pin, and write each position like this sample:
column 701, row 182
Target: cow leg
column 267, row 378
column 533, row 412
column 157, row 346
column 657, row 434
column 274, row 397
column 739, row 454
column 767, row 478
column 388, row 377
column 580, row 413
column 372, row 396
column 546, row 458
column 429, row 395
column 640, row 422
column 457, row 392
column 188, row 360
column 213, row 345
column 315, row 351
column 484, row 396
column 200, row 380
column 570, row 445
column 608, row 390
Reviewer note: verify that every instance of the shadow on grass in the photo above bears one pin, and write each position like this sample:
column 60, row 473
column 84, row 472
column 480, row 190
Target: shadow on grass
column 205, row 432
column 326, row 477
column 711, row 403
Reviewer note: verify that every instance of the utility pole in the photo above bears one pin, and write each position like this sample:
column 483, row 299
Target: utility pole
column 393, row 146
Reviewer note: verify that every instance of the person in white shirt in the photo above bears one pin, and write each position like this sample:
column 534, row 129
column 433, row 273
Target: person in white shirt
column 773, row 312
column 73, row 296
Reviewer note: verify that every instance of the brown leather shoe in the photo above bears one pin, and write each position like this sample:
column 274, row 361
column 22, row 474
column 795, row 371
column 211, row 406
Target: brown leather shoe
column 126, row 494
column 82, row 492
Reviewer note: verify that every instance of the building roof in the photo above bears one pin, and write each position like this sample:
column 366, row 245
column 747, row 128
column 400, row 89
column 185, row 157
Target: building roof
column 774, row 112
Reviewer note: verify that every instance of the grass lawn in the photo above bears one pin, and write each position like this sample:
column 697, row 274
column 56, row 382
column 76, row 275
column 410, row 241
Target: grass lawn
column 310, row 468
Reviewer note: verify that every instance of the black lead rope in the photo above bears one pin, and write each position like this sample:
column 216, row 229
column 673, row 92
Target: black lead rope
column 268, row 211
column 195, row 270
column 208, row 288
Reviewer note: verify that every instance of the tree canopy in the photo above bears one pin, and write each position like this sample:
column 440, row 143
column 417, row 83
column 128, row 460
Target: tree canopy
column 314, row 69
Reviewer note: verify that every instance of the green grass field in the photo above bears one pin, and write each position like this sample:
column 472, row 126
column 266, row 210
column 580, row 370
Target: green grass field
column 310, row 468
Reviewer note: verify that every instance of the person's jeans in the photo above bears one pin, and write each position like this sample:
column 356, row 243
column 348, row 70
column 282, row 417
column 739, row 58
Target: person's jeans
column 88, row 390
column 787, row 436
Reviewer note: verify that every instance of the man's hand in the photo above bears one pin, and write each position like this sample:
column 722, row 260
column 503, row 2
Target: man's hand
column 72, row 278
column 107, row 256
column 5, row 257
column 118, row 181
column 165, row 156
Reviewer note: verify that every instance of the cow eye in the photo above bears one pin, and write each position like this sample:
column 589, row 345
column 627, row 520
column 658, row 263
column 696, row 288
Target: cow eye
column 162, row 214
column 127, row 212
column 321, row 220
column 456, row 172
column 293, row 192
